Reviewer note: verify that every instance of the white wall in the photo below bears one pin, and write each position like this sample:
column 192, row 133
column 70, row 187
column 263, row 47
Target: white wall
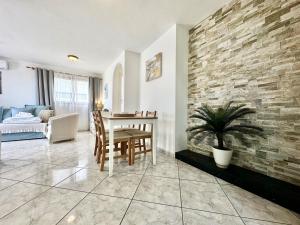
column 131, row 81
column 108, row 76
column 130, row 63
column 19, row 85
column 168, row 94
column 159, row 94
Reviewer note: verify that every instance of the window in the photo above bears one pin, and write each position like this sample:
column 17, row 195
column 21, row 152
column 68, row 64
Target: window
column 82, row 94
column 71, row 89
column 71, row 94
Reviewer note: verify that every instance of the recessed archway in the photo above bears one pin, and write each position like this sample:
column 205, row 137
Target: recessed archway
column 118, row 96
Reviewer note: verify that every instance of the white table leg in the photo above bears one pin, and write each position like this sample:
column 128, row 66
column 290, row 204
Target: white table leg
column 154, row 142
column 111, row 147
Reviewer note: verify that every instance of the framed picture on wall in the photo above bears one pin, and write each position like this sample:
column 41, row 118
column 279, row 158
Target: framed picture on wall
column 0, row 83
column 106, row 91
column 154, row 67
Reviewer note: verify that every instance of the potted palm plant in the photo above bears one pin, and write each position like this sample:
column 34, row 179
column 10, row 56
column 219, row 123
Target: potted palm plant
column 218, row 123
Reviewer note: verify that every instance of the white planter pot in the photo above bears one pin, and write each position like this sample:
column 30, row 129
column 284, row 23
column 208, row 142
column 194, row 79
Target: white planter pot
column 222, row 157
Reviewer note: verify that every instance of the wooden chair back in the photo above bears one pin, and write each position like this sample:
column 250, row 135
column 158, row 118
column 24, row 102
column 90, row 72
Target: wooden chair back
column 99, row 125
column 137, row 113
column 149, row 114
column 95, row 115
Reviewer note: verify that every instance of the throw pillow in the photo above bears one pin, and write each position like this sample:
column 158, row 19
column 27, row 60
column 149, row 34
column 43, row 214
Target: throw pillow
column 37, row 108
column 45, row 114
column 6, row 113
column 15, row 111
column 1, row 113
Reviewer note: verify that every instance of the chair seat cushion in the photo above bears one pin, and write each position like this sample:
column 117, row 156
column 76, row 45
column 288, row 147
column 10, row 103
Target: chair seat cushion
column 135, row 133
column 118, row 136
column 119, row 129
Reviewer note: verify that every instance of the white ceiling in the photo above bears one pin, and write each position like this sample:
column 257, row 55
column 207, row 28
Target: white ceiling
column 45, row 31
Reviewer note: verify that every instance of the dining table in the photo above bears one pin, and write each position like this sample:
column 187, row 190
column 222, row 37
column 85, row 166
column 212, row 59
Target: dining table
column 117, row 121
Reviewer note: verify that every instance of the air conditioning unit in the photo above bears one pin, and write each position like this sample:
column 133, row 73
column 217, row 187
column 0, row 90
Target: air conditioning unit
column 3, row 65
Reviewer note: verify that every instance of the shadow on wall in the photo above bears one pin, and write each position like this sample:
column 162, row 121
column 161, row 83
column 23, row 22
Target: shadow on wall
column 165, row 132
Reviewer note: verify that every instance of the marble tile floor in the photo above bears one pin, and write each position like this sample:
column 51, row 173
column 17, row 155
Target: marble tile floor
column 42, row 184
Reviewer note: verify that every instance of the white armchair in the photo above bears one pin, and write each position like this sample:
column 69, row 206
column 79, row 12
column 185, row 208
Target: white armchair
column 62, row 127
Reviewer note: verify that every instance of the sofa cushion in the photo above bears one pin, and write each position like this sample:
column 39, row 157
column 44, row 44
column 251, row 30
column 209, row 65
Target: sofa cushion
column 37, row 108
column 45, row 114
column 1, row 113
column 15, row 111
column 6, row 113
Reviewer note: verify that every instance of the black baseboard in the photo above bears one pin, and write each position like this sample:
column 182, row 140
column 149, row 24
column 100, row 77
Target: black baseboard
column 277, row 191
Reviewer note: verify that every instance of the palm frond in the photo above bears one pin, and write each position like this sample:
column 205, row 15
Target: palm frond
column 200, row 128
column 244, row 126
column 238, row 113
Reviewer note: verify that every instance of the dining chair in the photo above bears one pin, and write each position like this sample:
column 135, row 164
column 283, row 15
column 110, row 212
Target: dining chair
column 120, row 137
column 141, row 136
column 138, row 114
column 138, row 142
column 97, row 131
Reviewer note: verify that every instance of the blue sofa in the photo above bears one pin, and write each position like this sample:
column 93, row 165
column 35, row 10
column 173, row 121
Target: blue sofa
column 12, row 111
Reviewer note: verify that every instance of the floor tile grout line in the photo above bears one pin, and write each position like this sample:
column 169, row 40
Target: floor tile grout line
column 134, row 193
column 67, row 177
column 201, row 210
column 2, row 178
column 182, row 219
column 72, row 208
column 112, row 196
column 213, row 212
column 44, row 171
column 14, row 168
column 200, row 181
column 7, row 160
column 26, row 177
column 147, row 175
column 10, row 185
column 174, row 178
column 21, row 157
column 69, row 189
column 23, row 181
column 157, row 203
column 279, row 223
column 87, row 193
column 26, row 182
column 26, row 202
column 232, row 204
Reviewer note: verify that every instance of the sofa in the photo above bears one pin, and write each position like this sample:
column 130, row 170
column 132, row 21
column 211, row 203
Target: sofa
column 44, row 124
column 19, row 130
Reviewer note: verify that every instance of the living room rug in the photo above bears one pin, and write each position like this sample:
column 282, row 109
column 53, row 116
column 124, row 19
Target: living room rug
column 22, row 136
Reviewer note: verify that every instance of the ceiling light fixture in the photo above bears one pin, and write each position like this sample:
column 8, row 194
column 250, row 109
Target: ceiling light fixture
column 73, row 58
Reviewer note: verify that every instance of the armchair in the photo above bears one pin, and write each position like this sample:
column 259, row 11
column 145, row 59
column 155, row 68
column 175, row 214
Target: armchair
column 62, row 127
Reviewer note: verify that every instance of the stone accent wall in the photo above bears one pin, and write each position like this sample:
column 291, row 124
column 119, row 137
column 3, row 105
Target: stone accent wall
column 249, row 52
